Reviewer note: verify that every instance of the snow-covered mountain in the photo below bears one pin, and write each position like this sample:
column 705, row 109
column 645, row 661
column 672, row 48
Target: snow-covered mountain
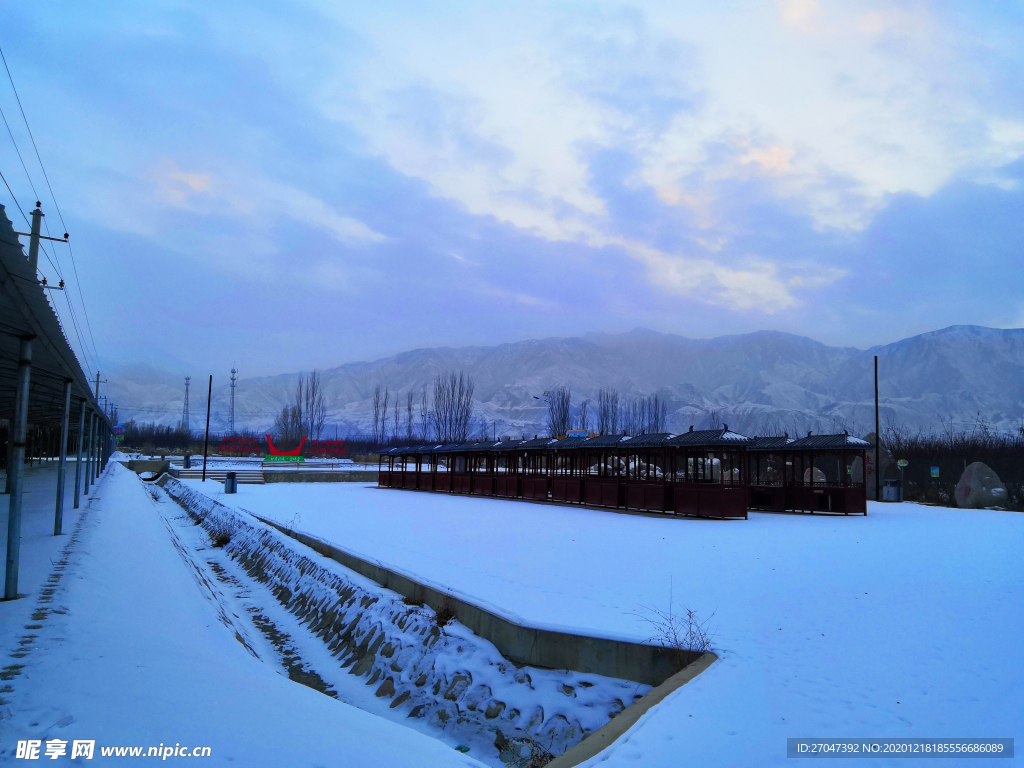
column 753, row 381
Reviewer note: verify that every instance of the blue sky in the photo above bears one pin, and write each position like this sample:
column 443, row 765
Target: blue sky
column 299, row 186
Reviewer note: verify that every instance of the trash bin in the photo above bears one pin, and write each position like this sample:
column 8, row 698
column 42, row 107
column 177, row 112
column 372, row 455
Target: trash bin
column 231, row 483
column 892, row 490
column 188, row 462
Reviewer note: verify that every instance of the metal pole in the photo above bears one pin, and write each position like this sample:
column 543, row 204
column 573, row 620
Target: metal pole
column 17, row 470
column 58, row 518
column 88, row 453
column 206, row 441
column 78, row 463
column 878, row 456
column 96, row 449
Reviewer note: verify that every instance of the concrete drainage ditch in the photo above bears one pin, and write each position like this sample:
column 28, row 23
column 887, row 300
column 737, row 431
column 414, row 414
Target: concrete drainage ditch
column 445, row 677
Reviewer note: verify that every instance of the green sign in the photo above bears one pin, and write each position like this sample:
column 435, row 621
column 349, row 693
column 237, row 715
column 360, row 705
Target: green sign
column 902, row 463
column 283, row 458
column 935, row 471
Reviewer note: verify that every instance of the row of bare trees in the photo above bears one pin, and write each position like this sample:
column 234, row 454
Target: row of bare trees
column 444, row 414
column 306, row 415
column 640, row 415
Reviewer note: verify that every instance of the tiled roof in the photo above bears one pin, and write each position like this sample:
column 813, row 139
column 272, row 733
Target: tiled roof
column 506, row 445
column 602, row 441
column 536, row 443
column 655, row 440
column 448, row 448
column 828, row 442
column 714, row 437
column 769, row 443
column 568, row 443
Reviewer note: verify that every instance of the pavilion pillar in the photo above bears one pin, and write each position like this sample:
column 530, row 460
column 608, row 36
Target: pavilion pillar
column 16, row 469
column 81, row 444
column 58, row 516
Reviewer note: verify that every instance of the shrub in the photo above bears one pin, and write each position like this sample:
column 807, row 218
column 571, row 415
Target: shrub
column 445, row 614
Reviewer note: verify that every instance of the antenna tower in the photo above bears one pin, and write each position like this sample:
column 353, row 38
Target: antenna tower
column 234, row 379
column 186, row 423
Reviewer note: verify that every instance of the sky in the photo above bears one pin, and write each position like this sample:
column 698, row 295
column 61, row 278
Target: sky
column 296, row 186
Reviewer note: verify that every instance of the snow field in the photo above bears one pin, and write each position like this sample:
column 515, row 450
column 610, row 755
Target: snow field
column 903, row 623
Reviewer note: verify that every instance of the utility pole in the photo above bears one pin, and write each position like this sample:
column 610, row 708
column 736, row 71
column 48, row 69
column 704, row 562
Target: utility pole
column 206, row 441
column 878, row 442
column 185, row 421
column 231, row 417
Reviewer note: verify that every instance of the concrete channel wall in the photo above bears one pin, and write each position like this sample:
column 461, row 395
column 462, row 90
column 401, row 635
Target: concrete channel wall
column 521, row 644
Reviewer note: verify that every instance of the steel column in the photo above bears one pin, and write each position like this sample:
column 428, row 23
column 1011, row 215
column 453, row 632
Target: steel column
column 88, row 453
column 58, row 517
column 81, row 444
column 16, row 469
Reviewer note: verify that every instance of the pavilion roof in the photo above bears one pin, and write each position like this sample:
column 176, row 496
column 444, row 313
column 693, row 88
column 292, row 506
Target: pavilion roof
column 653, row 440
column 828, row 442
column 710, row 437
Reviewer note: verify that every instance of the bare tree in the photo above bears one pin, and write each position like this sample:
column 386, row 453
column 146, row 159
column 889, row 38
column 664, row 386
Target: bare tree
column 657, row 414
column 452, row 407
column 644, row 415
column 380, row 414
column 395, row 419
column 310, row 400
column 584, row 415
column 424, row 415
column 559, row 399
column 608, row 411
column 714, row 420
column 408, row 415
column 288, row 425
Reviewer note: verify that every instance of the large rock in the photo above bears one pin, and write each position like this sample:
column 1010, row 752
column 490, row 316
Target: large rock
column 980, row 487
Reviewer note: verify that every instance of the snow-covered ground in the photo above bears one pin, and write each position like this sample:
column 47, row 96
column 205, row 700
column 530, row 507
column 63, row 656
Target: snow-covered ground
column 904, row 623
column 40, row 549
column 134, row 648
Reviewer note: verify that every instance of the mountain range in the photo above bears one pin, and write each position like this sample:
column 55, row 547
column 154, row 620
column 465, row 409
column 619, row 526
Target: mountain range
column 754, row 382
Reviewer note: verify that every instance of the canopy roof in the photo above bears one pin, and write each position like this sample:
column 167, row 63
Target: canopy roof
column 25, row 312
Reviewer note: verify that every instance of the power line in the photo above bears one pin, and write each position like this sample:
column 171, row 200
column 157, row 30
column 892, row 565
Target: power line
column 71, row 309
column 22, row 159
column 78, row 282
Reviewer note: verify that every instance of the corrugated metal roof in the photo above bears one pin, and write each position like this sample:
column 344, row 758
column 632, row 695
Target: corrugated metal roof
column 25, row 311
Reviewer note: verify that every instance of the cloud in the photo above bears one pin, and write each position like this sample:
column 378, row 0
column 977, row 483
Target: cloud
column 802, row 15
column 495, row 109
column 253, row 199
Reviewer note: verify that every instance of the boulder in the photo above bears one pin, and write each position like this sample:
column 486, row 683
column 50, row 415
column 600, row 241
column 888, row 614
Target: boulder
column 980, row 487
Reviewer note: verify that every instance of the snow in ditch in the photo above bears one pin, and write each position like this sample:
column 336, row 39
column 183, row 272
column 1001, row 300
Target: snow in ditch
column 381, row 654
column 902, row 623
column 133, row 649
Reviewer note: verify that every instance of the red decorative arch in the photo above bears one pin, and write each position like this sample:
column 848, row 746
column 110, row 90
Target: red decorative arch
column 275, row 452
